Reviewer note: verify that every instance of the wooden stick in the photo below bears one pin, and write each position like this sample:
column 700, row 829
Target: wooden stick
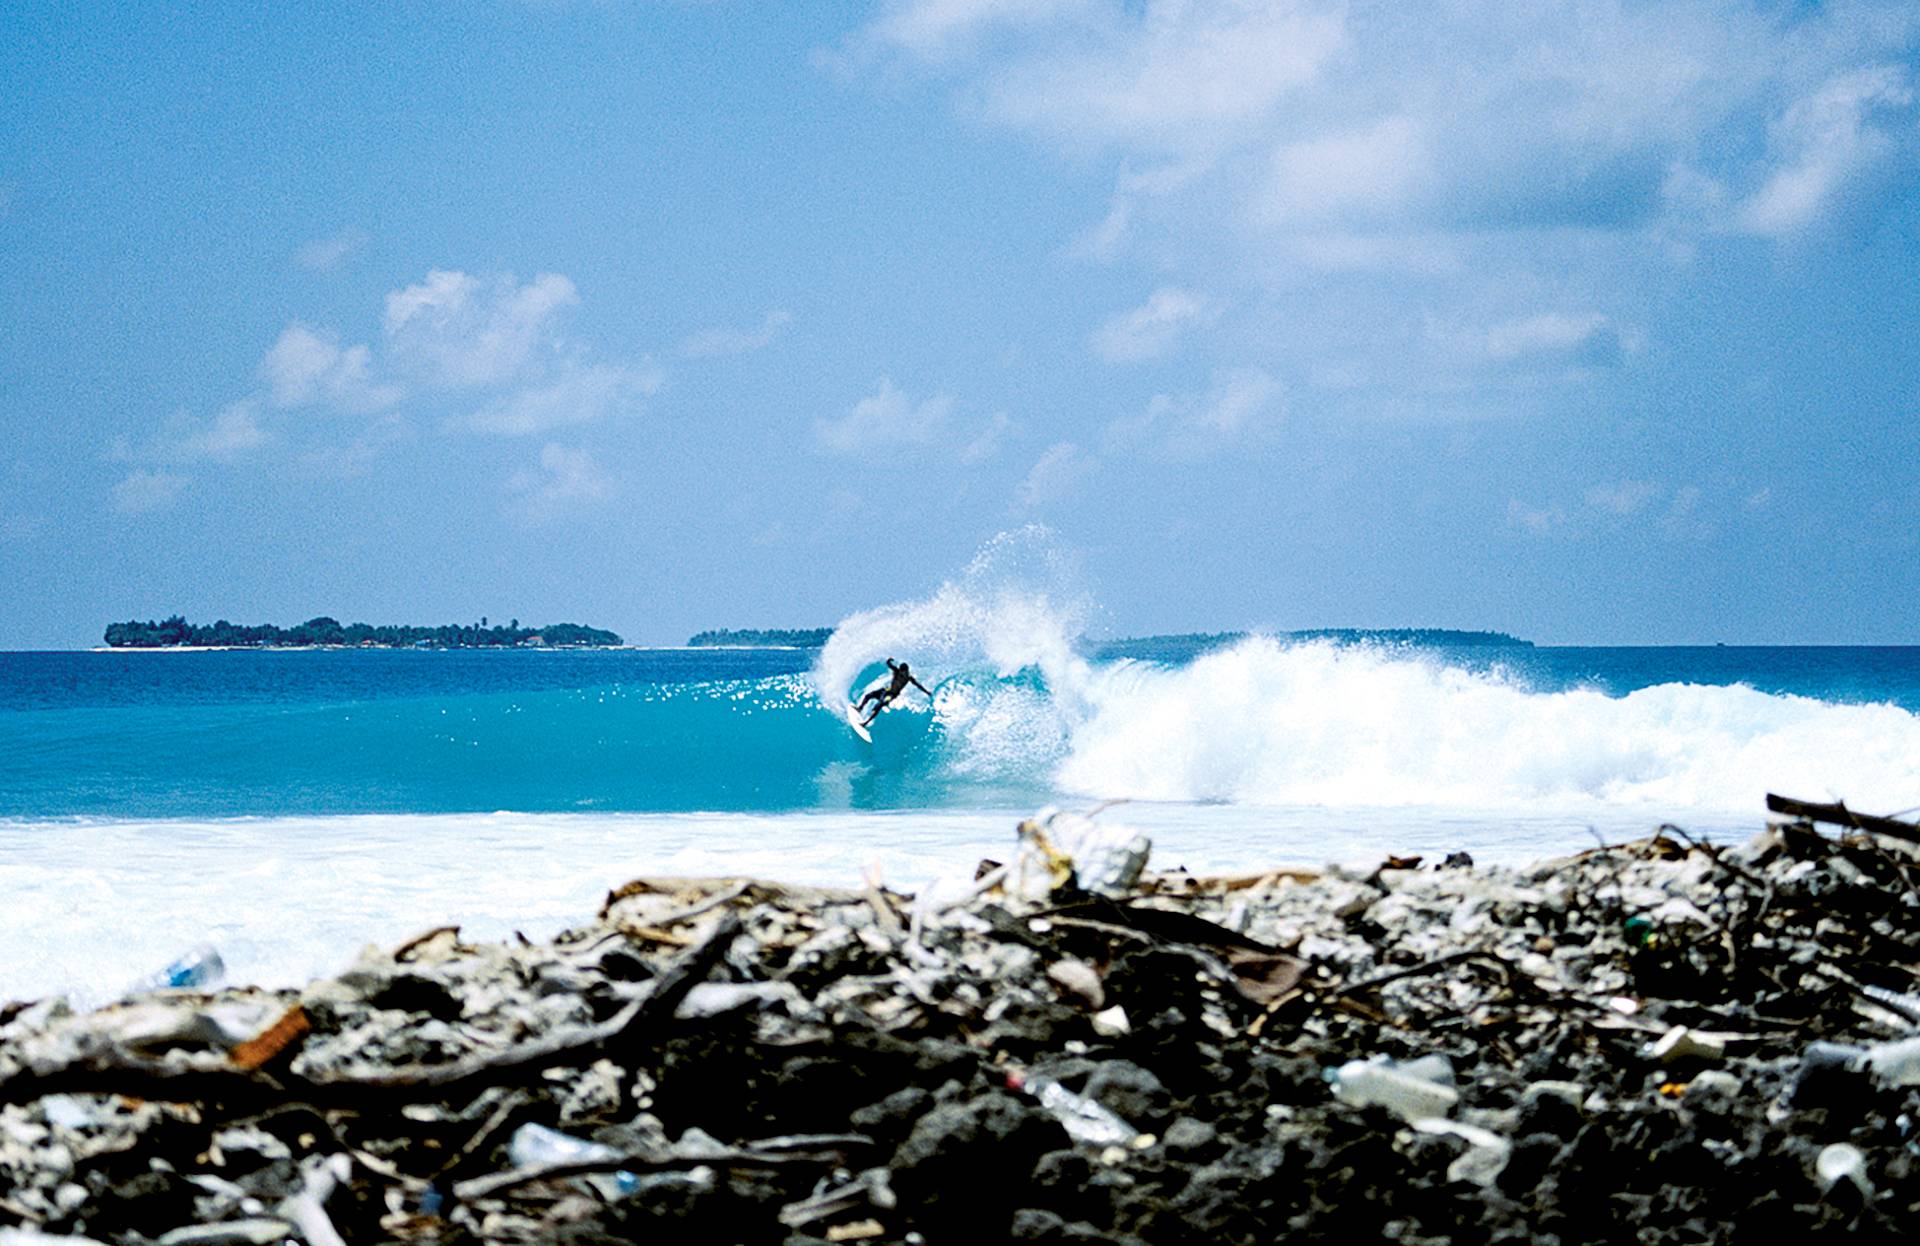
column 1839, row 815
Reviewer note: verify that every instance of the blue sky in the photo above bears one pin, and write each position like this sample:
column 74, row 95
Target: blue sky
column 1595, row 322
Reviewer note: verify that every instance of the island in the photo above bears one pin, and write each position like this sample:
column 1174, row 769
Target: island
column 323, row 632
column 761, row 638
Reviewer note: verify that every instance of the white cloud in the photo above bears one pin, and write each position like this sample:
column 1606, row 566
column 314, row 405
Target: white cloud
column 232, row 433
column 1580, row 339
column 579, row 395
column 1536, row 520
column 1054, row 475
column 885, row 418
column 939, row 28
column 1823, row 142
column 1102, row 240
column 1365, row 173
column 1240, row 403
column 1315, row 117
column 306, row 365
column 987, row 443
column 711, row 342
column 567, row 480
column 1150, row 330
column 1176, row 75
column 143, row 492
column 1684, row 519
column 1623, row 498
column 322, row 254
column 454, row 329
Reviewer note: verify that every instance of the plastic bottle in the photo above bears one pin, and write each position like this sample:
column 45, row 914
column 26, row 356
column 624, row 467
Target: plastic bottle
column 533, row 1146
column 1085, row 1120
column 200, row 968
column 1894, row 1064
column 1415, row 1090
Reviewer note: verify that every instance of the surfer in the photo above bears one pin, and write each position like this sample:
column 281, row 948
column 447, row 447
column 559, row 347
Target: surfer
column 896, row 685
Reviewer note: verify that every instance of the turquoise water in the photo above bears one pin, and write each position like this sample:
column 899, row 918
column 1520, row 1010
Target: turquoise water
column 292, row 807
column 226, row 734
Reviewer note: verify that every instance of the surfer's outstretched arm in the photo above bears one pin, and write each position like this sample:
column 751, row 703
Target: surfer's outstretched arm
column 916, row 683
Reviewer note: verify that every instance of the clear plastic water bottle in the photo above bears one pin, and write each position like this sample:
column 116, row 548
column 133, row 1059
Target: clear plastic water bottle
column 1414, row 1090
column 1086, row 1121
column 533, row 1146
column 200, row 969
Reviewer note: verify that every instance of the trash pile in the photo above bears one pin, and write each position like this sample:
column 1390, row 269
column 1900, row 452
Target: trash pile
column 1664, row 1041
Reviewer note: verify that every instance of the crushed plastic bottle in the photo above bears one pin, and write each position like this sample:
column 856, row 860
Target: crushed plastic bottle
column 1057, row 848
column 1894, row 1065
column 533, row 1146
column 200, row 969
column 1413, row 1089
column 1086, row 1121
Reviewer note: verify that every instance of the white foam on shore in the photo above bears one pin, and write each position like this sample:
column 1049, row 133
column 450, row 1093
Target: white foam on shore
column 95, row 906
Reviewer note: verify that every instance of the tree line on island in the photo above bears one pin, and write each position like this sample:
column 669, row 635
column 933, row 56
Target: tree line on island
column 175, row 632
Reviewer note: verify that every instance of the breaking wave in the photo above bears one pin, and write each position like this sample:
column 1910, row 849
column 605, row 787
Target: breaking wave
column 1266, row 721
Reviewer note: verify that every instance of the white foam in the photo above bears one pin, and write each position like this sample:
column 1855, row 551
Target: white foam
column 92, row 907
column 1342, row 725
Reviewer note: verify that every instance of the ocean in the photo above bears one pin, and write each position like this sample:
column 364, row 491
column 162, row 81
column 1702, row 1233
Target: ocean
column 291, row 807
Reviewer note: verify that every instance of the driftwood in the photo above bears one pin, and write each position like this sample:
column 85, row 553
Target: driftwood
column 1838, row 814
column 572, row 1046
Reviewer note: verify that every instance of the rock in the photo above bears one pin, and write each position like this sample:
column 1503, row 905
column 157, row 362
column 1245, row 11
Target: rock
column 995, row 1139
column 1132, row 1092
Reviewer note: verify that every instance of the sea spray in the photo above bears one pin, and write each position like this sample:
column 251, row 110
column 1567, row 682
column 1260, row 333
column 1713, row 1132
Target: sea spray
column 1341, row 725
column 1016, row 608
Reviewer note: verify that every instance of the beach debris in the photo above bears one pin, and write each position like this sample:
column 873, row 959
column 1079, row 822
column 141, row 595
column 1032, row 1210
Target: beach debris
column 1086, row 1121
column 1685, row 1041
column 1413, row 1089
column 200, row 969
column 1060, row 850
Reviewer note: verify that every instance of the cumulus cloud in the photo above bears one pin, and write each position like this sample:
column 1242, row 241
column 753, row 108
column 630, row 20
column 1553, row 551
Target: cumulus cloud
column 455, row 329
column 323, row 254
column 305, row 366
column 580, row 394
column 887, row 417
column 1150, row 330
column 491, row 344
column 1169, row 76
column 143, row 492
column 1369, row 172
column 1240, row 403
column 1824, row 142
column 938, row 28
column 711, row 342
column 1055, row 475
column 1572, row 345
column 1298, row 118
column 566, row 480
column 230, row 434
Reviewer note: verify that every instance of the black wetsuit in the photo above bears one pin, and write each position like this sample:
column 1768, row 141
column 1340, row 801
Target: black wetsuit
column 902, row 676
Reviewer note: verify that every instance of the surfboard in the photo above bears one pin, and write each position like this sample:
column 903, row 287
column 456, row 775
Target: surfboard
column 859, row 728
